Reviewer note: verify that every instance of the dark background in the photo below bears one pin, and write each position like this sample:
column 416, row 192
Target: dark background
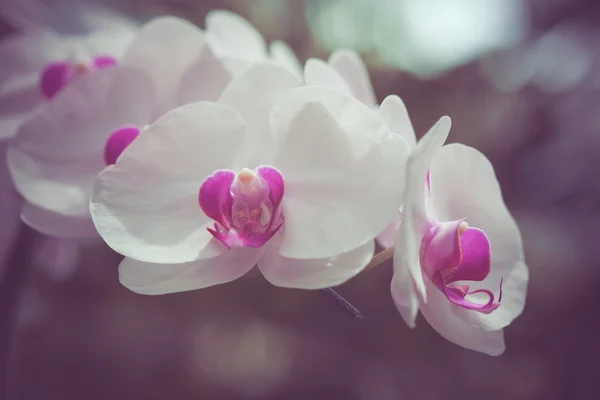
column 533, row 108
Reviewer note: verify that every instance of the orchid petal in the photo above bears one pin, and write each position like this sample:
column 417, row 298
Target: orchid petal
column 343, row 172
column 402, row 286
column 154, row 279
column 354, row 71
column 204, row 80
column 146, row 206
column 272, row 81
column 452, row 322
column 233, row 36
column 285, row 56
column 318, row 72
column 463, row 183
column 394, row 113
column 313, row 273
column 415, row 223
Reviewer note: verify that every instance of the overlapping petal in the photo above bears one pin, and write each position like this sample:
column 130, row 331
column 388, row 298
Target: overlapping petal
column 318, row 72
column 146, row 205
column 394, row 113
column 343, row 172
column 415, row 222
column 252, row 94
column 354, row 71
column 165, row 48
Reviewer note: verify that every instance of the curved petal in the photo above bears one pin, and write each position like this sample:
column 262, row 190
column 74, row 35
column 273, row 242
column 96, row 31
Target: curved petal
column 252, row 94
column 233, row 36
column 416, row 221
column 453, row 323
column 153, row 279
column 204, row 80
column 165, row 48
column 59, row 149
column 318, row 72
column 146, row 206
column 394, row 113
column 282, row 54
column 354, row 71
column 54, row 224
column 402, row 286
column 343, row 171
column 313, row 273
column 463, row 183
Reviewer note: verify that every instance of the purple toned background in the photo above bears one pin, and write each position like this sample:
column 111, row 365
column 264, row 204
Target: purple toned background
column 80, row 335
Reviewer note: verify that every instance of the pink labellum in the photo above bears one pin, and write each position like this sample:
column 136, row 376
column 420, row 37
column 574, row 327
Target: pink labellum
column 118, row 141
column 57, row 75
column 244, row 206
column 452, row 252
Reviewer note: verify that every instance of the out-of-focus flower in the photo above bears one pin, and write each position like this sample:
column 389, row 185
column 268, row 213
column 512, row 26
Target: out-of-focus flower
column 96, row 113
column 59, row 149
column 346, row 72
column 437, row 252
column 50, row 49
column 302, row 190
column 188, row 64
column 424, row 37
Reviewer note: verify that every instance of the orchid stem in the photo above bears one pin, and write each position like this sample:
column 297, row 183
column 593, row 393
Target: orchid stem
column 343, row 303
column 380, row 258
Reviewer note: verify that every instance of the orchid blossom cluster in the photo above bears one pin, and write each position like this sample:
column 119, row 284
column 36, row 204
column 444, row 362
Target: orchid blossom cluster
column 199, row 155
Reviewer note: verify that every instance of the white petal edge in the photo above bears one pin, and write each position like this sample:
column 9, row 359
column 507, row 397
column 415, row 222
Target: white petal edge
column 318, row 72
column 146, row 205
column 402, row 287
column 394, row 113
column 233, row 36
column 352, row 68
column 285, row 56
column 154, row 279
column 314, row 273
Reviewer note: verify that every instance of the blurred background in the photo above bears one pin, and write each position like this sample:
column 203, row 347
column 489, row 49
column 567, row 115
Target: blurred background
column 521, row 81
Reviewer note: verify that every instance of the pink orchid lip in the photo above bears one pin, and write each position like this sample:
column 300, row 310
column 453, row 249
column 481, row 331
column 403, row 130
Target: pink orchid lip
column 57, row 75
column 452, row 252
column 118, row 141
column 246, row 206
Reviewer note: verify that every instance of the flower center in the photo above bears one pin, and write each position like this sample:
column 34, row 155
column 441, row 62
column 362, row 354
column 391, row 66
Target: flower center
column 246, row 206
column 452, row 252
column 57, row 75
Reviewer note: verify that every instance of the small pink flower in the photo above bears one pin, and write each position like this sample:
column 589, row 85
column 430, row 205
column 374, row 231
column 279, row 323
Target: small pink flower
column 301, row 188
column 458, row 253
